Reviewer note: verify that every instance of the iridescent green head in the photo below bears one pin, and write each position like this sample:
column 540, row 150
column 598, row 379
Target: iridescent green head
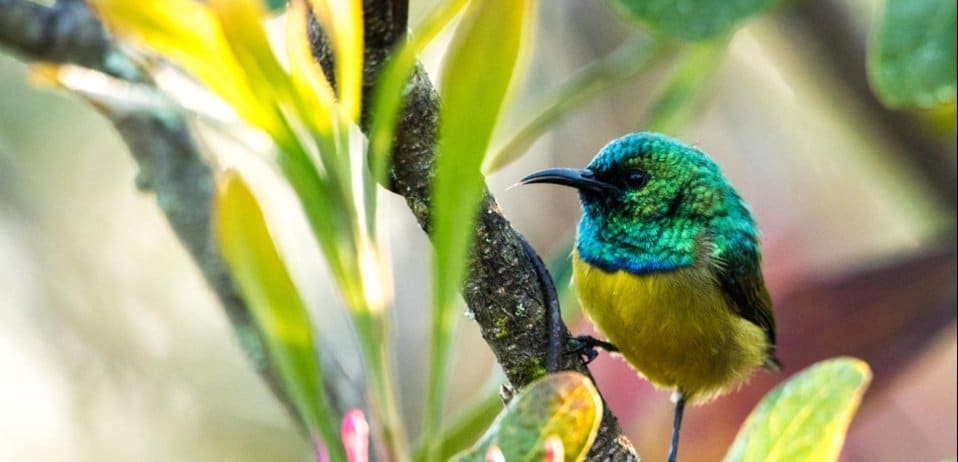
column 653, row 203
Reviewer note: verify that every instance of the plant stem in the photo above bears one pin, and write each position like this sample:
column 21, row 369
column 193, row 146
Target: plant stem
column 466, row 428
column 618, row 67
column 439, row 364
column 374, row 338
column 679, row 102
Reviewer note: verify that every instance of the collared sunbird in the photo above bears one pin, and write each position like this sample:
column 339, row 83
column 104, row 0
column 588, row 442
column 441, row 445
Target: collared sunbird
column 668, row 267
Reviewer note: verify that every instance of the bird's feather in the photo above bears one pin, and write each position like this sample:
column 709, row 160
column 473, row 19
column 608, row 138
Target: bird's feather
column 740, row 277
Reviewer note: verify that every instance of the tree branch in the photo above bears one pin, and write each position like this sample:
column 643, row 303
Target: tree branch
column 502, row 288
column 66, row 32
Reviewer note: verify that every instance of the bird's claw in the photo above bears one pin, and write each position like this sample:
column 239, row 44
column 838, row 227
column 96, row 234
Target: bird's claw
column 585, row 346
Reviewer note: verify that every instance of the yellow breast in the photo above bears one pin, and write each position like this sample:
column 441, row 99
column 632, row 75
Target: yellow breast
column 676, row 328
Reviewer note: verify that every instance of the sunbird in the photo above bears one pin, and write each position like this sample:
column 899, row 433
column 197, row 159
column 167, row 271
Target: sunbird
column 667, row 266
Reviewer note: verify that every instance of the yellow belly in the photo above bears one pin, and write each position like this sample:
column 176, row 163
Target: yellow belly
column 675, row 328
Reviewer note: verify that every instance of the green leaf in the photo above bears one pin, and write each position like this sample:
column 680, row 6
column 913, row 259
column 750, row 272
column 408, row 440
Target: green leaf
column 274, row 302
column 466, row 427
column 389, row 94
column 565, row 404
column 806, row 417
column 275, row 5
column 478, row 69
column 690, row 20
column 911, row 57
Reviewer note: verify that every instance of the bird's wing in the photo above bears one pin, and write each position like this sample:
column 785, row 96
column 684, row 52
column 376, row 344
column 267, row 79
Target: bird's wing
column 740, row 277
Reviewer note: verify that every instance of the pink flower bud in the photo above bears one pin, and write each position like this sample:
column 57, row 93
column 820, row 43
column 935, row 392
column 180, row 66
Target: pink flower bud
column 355, row 435
column 494, row 454
column 554, row 449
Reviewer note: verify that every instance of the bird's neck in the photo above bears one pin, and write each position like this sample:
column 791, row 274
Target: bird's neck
column 639, row 247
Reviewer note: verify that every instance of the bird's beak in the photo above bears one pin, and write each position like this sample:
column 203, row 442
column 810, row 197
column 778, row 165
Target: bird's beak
column 583, row 180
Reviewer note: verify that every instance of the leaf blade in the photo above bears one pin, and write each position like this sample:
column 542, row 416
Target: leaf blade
column 564, row 405
column 343, row 21
column 477, row 72
column 805, row 418
column 189, row 33
column 690, row 20
column 389, row 95
column 911, row 55
column 263, row 280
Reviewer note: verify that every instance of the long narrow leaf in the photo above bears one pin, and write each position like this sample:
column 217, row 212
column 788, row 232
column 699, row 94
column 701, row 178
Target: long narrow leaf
column 274, row 302
column 467, row 426
column 188, row 33
column 476, row 76
column 342, row 20
column 312, row 88
column 240, row 21
column 389, row 95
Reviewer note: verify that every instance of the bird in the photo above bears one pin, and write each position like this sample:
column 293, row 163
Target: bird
column 667, row 265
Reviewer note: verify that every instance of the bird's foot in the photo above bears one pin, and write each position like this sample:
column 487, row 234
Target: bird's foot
column 585, row 346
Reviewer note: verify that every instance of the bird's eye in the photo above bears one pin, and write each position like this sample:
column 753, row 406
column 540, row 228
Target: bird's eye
column 636, row 179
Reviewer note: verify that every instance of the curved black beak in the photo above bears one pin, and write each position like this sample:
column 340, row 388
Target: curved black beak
column 583, row 180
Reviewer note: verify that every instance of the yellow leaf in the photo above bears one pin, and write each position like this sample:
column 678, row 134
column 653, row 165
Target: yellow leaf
column 189, row 34
column 342, row 20
column 310, row 83
column 274, row 302
column 562, row 409
column 806, row 417
column 241, row 23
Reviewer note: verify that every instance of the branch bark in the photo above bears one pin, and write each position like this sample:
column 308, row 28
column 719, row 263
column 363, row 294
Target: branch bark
column 502, row 287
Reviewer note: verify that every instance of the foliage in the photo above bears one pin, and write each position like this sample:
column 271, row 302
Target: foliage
column 274, row 301
column 564, row 405
column 310, row 127
column 806, row 417
column 474, row 89
column 911, row 57
column 690, row 20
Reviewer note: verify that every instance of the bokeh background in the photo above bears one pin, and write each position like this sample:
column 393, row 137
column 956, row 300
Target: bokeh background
column 112, row 348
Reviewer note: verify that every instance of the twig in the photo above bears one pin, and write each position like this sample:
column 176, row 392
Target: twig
column 626, row 62
column 66, row 32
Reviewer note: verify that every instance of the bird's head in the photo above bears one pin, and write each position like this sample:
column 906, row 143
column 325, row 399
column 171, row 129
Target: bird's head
column 643, row 177
column 648, row 192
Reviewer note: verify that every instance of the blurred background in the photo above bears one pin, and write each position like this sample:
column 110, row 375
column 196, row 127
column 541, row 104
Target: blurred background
column 112, row 347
